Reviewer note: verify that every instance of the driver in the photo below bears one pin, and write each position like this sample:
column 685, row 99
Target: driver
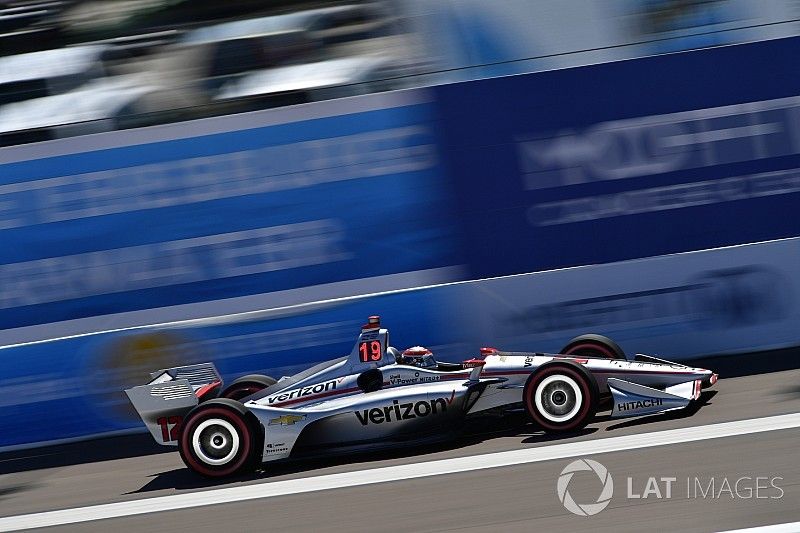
column 418, row 356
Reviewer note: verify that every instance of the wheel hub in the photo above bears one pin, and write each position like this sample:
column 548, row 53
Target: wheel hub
column 215, row 441
column 558, row 398
column 218, row 441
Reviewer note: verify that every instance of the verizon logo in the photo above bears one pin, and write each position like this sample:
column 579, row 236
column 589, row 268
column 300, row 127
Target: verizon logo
column 404, row 411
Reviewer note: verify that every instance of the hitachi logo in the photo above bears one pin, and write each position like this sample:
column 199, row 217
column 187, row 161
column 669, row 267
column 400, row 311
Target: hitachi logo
column 304, row 391
column 403, row 411
column 639, row 404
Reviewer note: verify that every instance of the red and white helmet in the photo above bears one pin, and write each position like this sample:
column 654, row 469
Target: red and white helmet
column 419, row 356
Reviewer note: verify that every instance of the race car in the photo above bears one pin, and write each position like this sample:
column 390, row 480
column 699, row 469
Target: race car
column 379, row 397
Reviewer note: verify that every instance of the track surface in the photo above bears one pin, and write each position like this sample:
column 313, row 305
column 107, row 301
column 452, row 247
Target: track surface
column 514, row 498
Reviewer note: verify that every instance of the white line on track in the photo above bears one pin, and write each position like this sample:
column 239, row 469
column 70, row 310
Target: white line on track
column 792, row 527
column 396, row 473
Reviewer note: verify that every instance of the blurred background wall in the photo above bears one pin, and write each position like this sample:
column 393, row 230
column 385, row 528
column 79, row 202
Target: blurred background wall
column 158, row 168
column 70, row 67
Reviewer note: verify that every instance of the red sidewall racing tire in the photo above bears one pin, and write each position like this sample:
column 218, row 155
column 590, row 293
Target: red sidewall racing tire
column 241, row 460
column 586, row 384
column 592, row 345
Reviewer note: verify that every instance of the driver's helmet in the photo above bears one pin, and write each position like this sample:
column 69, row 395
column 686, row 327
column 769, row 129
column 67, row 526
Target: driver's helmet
column 419, row 356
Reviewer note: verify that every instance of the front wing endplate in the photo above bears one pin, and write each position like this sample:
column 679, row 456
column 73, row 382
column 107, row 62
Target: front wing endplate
column 631, row 399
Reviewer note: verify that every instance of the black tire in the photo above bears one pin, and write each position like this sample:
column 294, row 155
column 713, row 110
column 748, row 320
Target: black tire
column 370, row 380
column 568, row 397
column 593, row 345
column 247, row 385
column 219, row 438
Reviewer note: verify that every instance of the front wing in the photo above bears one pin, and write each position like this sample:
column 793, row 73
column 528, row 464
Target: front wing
column 632, row 399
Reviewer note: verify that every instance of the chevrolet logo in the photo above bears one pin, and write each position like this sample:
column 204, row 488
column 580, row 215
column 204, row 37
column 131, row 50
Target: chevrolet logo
column 286, row 420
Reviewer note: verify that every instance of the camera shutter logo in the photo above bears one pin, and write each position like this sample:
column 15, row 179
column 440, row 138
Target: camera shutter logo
column 585, row 509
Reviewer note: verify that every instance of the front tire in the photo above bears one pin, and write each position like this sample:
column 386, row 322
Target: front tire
column 218, row 439
column 561, row 397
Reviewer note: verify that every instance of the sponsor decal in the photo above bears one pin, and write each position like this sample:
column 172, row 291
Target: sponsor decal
column 286, row 420
column 272, row 448
column 404, row 411
column 304, row 391
column 741, row 296
column 528, row 362
column 399, row 379
column 639, row 404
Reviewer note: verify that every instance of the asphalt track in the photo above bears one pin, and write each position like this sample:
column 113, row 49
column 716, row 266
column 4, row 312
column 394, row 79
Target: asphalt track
column 518, row 497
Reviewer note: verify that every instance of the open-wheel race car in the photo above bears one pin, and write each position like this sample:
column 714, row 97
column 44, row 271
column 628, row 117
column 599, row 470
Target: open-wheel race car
column 377, row 397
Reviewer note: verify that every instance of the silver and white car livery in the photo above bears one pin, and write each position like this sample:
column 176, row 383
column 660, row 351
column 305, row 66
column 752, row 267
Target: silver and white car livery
column 374, row 397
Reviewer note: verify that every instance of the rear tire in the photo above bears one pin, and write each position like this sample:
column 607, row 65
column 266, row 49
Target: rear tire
column 247, row 385
column 593, row 345
column 561, row 397
column 218, row 439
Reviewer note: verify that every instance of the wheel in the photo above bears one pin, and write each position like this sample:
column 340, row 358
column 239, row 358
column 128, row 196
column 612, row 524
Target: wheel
column 592, row 345
column 561, row 397
column 218, row 439
column 370, row 381
column 247, row 385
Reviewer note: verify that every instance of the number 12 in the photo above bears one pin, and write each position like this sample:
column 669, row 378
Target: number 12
column 169, row 434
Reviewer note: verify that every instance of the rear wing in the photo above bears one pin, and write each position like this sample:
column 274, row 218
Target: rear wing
column 170, row 394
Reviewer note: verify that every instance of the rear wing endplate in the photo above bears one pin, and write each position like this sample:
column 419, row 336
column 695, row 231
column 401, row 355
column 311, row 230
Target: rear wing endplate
column 169, row 396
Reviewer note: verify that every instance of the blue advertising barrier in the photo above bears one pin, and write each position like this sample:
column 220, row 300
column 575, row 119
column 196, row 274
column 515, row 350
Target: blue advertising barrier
column 623, row 160
column 729, row 300
column 74, row 387
column 215, row 210
column 596, row 164
column 509, row 175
